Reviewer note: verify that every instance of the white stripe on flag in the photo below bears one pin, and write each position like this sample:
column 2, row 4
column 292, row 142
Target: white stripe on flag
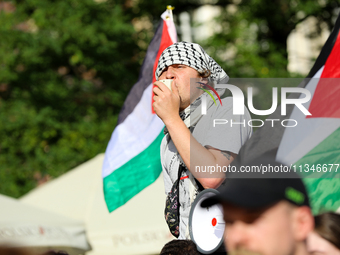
column 132, row 136
column 171, row 26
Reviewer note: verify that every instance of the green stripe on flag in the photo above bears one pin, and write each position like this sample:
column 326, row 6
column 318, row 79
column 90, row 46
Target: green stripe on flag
column 323, row 177
column 128, row 180
column 324, row 194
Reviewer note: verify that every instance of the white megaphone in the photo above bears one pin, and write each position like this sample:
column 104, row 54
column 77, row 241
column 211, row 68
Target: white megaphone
column 206, row 225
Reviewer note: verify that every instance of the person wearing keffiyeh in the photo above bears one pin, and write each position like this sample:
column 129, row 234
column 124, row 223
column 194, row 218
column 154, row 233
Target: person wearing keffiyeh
column 190, row 140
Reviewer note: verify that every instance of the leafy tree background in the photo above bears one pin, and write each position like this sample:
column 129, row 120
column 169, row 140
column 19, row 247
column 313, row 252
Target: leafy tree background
column 67, row 66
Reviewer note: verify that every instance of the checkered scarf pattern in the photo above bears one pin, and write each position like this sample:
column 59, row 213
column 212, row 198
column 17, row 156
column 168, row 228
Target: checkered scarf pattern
column 193, row 55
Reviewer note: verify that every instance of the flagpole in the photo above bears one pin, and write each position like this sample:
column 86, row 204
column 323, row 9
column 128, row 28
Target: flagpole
column 169, row 9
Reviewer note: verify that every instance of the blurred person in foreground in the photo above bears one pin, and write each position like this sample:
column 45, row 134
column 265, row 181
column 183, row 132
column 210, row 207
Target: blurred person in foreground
column 180, row 247
column 268, row 216
column 325, row 239
column 191, row 141
column 9, row 250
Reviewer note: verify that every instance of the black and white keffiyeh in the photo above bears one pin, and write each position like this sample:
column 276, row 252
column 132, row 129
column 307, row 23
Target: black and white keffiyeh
column 193, row 55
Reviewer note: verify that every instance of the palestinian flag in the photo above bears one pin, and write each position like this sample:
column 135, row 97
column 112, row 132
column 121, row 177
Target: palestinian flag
column 132, row 157
column 313, row 146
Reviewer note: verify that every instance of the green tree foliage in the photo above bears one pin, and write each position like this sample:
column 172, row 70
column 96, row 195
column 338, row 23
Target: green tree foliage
column 254, row 33
column 252, row 38
column 65, row 70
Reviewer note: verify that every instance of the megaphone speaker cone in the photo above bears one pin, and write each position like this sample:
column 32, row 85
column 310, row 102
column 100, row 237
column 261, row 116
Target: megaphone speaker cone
column 206, row 225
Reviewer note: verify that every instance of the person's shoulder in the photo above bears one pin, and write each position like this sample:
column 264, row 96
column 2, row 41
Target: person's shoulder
column 227, row 100
column 220, row 107
column 226, row 104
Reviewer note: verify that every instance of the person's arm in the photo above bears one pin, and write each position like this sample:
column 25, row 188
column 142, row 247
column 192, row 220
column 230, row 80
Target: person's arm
column 195, row 156
column 166, row 106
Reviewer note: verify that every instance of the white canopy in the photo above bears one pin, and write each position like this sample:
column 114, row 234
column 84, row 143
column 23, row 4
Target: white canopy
column 23, row 225
column 138, row 227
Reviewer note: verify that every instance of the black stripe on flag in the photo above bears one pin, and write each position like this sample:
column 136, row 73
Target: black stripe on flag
column 145, row 76
column 326, row 49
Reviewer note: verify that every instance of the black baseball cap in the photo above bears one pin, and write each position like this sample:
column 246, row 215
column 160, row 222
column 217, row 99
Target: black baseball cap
column 253, row 193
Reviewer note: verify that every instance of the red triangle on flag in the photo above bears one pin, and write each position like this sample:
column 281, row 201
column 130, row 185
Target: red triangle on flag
column 326, row 100
column 165, row 43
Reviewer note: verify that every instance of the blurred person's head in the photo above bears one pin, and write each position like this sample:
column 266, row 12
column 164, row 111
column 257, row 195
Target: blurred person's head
column 265, row 216
column 52, row 252
column 325, row 239
column 7, row 250
column 180, row 247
